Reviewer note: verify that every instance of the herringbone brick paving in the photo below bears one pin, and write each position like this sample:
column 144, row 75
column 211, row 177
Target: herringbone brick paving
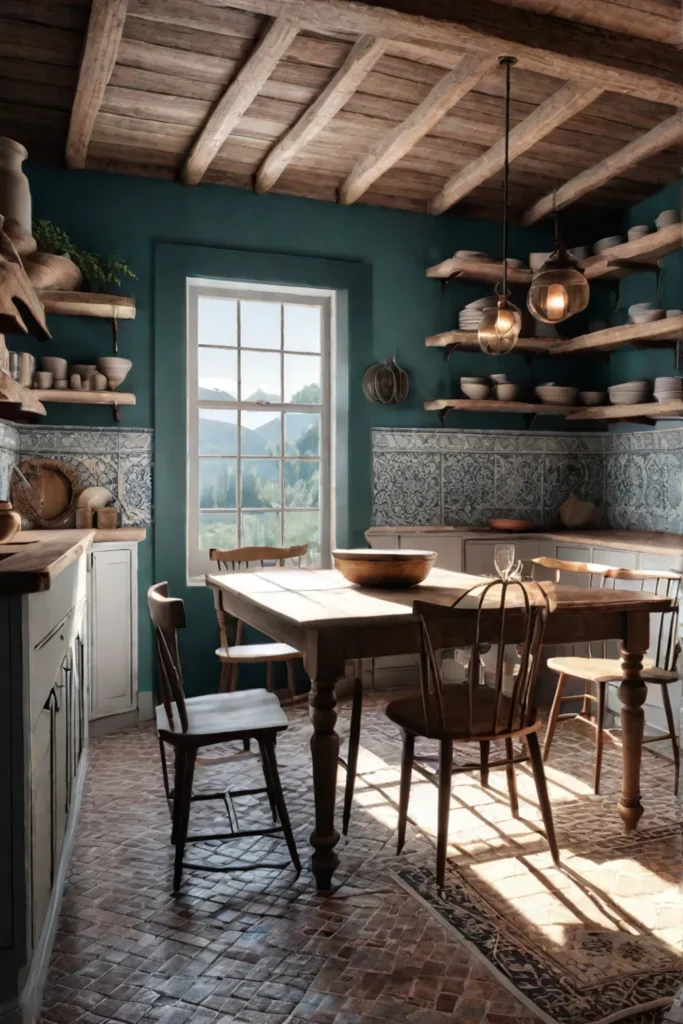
column 261, row 947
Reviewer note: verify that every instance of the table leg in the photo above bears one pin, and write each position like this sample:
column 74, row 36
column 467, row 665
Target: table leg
column 324, row 753
column 632, row 694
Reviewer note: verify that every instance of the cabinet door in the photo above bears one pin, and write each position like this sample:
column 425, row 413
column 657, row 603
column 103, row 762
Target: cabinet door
column 479, row 553
column 41, row 839
column 448, row 547
column 113, row 653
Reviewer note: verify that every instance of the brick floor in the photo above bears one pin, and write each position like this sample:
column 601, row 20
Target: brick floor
column 260, row 946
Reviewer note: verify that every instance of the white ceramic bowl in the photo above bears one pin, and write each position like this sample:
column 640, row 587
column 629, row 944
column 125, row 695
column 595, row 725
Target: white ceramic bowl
column 674, row 312
column 114, row 369
column 506, row 392
column 498, row 378
column 667, row 218
column 537, row 259
column 474, row 380
column 551, row 394
column 607, row 243
column 593, row 397
column 647, row 316
column 478, row 392
column 638, row 231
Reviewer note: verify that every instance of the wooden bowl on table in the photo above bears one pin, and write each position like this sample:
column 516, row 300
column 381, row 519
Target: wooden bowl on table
column 390, row 569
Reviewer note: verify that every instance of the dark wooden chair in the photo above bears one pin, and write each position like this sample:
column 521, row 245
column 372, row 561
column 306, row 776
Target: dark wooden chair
column 483, row 709
column 597, row 670
column 188, row 724
column 231, row 656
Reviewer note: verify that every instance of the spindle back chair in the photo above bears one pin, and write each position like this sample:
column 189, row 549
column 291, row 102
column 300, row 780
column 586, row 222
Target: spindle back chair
column 597, row 670
column 502, row 613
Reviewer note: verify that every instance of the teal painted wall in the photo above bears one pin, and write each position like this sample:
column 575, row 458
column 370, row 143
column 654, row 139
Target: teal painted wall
column 639, row 364
column 131, row 215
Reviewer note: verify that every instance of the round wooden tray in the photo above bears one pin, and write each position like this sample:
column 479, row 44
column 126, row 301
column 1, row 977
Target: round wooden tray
column 50, row 499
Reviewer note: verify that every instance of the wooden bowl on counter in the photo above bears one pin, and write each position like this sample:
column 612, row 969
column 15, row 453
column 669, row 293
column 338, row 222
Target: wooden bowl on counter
column 390, row 569
column 511, row 525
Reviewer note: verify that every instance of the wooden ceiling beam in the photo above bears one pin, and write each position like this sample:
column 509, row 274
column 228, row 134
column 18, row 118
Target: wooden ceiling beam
column 547, row 45
column 237, row 98
column 361, row 58
column 562, row 105
column 105, row 28
column 668, row 133
column 389, row 150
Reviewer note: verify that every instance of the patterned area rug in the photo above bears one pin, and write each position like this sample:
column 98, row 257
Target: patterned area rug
column 596, row 941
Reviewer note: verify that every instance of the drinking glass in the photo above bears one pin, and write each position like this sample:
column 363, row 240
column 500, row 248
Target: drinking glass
column 504, row 559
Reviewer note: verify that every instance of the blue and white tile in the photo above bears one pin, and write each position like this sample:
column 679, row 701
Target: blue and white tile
column 135, row 495
column 580, row 474
column 468, row 488
column 136, row 440
column 406, row 489
column 94, row 470
column 519, row 481
column 521, row 443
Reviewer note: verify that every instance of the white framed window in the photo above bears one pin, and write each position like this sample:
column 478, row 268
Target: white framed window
column 259, row 451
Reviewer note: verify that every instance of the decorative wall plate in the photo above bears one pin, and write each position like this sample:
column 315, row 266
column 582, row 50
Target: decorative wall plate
column 386, row 383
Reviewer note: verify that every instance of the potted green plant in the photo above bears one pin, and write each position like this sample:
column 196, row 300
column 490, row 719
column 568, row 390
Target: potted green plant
column 59, row 264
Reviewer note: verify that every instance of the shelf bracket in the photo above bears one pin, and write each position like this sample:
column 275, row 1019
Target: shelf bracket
column 116, row 412
column 678, row 359
column 450, row 349
column 445, row 281
column 115, row 332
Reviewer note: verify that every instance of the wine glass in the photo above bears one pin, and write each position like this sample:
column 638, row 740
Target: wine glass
column 504, row 559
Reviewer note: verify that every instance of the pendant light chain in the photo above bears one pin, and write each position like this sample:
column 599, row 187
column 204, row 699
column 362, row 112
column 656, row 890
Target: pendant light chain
column 508, row 61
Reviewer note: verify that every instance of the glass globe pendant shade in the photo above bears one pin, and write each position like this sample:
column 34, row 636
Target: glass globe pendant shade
column 558, row 290
column 499, row 328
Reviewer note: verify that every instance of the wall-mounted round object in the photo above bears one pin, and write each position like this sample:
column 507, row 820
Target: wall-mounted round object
column 386, row 383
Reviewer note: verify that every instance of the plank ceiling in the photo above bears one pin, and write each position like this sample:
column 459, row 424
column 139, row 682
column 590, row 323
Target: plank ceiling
column 166, row 83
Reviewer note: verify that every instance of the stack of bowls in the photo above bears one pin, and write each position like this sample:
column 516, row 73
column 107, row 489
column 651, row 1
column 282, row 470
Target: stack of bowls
column 476, row 388
column 470, row 317
column 643, row 313
column 633, row 392
column 553, row 394
column 607, row 243
column 638, row 231
column 668, row 389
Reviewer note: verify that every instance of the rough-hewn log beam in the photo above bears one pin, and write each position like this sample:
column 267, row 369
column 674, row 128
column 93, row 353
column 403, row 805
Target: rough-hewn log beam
column 548, row 45
column 363, row 54
column 668, row 133
column 389, row 150
column 237, row 98
column 105, row 29
column 562, row 105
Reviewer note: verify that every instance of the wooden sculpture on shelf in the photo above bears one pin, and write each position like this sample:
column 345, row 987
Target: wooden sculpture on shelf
column 21, row 312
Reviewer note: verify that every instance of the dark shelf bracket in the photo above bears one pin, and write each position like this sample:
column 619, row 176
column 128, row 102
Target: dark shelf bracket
column 116, row 411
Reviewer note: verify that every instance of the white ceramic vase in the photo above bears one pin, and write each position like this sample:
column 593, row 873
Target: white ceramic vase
column 15, row 194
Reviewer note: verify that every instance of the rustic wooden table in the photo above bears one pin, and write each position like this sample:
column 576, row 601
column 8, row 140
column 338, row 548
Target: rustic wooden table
column 332, row 622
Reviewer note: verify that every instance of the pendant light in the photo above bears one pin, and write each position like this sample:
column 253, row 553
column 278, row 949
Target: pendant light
column 559, row 288
column 500, row 325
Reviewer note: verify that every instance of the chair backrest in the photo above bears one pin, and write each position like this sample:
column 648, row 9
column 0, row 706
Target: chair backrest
column 499, row 613
column 663, row 582
column 168, row 616
column 236, row 558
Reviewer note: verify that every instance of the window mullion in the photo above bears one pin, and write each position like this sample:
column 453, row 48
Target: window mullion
column 282, row 424
column 238, row 478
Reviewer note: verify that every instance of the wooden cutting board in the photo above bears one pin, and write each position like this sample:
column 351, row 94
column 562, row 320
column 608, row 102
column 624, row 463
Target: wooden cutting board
column 52, row 493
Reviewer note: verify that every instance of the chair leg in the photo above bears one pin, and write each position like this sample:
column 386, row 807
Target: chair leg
column 164, row 768
column 407, row 758
column 542, row 791
column 599, row 734
column 554, row 714
column 666, row 701
column 281, row 806
column 511, row 777
column 183, row 819
column 445, row 780
column 178, row 769
column 268, row 779
column 246, row 743
column 269, row 676
column 234, row 673
column 484, row 747
column 352, row 756
column 226, row 677
column 291, row 679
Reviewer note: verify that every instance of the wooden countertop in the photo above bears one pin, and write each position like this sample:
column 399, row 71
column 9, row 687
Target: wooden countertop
column 28, row 567
column 99, row 536
column 630, row 540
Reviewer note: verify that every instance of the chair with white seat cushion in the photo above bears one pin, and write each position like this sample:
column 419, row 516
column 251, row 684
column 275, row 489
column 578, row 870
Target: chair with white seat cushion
column 188, row 725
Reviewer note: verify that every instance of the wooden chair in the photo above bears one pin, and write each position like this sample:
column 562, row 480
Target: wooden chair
column 188, row 724
column 600, row 670
column 231, row 657
column 480, row 710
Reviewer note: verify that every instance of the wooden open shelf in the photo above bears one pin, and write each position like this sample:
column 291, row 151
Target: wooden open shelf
column 649, row 249
column 647, row 410
column 84, row 397
column 468, row 340
column 489, row 405
column 110, row 307
column 478, row 270
column 613, row 338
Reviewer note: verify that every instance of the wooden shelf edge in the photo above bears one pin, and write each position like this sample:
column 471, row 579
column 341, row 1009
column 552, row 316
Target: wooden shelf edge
column 114, row 307
column 14, row 398
column 651, row 248
column 646, row 410
column 493, row 405
column 614, row 337
column 477, row 270
column 468, row 339
column 68, row 397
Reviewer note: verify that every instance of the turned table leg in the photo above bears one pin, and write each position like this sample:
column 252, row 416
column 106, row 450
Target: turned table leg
column 632, row 694
column 324, row 753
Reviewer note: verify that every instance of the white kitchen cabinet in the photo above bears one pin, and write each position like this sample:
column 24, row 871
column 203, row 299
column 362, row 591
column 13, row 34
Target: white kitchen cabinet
column 113, row 629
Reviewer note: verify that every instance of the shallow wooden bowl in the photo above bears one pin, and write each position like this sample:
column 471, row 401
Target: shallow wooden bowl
column 511, row 525
column 387, row 569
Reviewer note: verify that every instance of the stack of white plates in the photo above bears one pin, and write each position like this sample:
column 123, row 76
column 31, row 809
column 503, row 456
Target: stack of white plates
column 633, row 393
column 668, row 389
column 469, row 317
column 472, row 254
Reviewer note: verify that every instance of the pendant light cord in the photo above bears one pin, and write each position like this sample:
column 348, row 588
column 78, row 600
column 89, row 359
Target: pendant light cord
column 508, row 62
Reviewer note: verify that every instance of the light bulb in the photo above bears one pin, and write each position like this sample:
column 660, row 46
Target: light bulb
column 558, row 290
column 505, row 322
column 499, row 329
column 556, row 301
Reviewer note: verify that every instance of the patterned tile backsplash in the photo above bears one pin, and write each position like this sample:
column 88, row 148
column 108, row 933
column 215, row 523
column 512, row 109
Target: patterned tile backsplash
column 119, row 459
column 463, row 478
